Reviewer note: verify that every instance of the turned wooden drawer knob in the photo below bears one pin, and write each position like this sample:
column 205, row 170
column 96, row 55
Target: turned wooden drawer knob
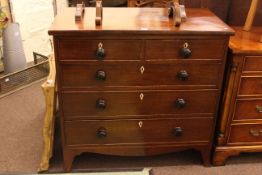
column 177, row 131
column 100, row 52
column 101, row 132
column 180, row 103
column 101, row 75
column 185, row 52
column 101, row 104
column 182, row 75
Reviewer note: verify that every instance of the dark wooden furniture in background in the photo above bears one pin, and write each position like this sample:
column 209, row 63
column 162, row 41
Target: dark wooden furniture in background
column 240, row 125
column 233, row 12
column 138, row 85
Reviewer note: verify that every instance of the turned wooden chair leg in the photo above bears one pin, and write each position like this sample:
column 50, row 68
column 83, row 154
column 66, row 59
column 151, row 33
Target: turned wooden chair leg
column 251, row 15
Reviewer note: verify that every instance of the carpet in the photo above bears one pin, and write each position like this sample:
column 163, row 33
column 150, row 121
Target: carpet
column 21, row 122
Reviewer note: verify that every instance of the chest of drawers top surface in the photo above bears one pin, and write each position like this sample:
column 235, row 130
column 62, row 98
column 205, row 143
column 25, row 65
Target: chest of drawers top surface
column 246, row 43
column 140, row 21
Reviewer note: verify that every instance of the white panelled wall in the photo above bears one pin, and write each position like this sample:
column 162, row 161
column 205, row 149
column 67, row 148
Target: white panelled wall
column 61, row 4
column 35, row 18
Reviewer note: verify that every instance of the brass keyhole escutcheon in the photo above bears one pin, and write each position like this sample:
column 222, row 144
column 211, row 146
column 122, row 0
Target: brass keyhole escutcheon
column 142, row 69
column 140, row 124
column 186, row 45
column 100, row 45
column 100, row 52
column 185, row 52
column 141, row 96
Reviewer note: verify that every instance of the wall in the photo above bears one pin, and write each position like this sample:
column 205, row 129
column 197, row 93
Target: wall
column 61, row 4
column 34, row 17
column 238, row 12
column 233, row 12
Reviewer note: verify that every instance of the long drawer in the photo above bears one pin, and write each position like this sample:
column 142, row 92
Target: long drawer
column 105, row 74
column 93, row 132
column 248, row 109
column 246, row 133
column 93, row 104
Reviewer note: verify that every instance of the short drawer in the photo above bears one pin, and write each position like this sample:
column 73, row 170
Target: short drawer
column 126, row 103
column 248, row 109
column 152, row 131
column 253, row 63
column 246, row 133
column 175, row 49
column 138, row 74
column 251, row 85
column 87, row 49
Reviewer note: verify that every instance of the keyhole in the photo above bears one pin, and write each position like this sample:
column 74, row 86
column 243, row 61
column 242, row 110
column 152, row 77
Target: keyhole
column 142, row 69
column 100, row 45
column 186, row 45
column 141, row 96
column 140, row 124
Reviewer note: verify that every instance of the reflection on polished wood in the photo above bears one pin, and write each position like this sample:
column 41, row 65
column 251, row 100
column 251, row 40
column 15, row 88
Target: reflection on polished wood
column 246, row 42
column 139, row 21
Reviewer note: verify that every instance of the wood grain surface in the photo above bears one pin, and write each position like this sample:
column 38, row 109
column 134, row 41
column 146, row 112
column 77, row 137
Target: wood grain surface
column 139, row 21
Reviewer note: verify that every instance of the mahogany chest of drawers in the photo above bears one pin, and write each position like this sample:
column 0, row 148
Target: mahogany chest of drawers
column 138, row 85
column 240, row 124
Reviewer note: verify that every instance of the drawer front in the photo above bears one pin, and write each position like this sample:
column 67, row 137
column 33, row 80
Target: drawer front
column 138, row 74
column 253, row 63
column 87, row 49
column 115, row 104
column 248, row 109
column 175, row 49
column 250, row 86
column 138, row 131
column 246, row 133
